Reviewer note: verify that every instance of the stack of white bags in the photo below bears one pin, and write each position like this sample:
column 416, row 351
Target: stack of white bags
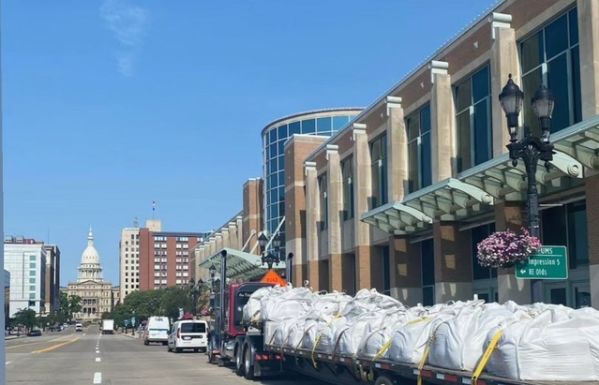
column 538, row 342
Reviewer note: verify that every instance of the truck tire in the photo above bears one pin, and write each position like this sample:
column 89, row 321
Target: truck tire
column 146, row 342
column 239, row 361
column 248, row 367
column 384, row 380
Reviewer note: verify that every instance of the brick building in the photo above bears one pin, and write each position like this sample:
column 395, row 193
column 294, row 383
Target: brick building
column 165, row 258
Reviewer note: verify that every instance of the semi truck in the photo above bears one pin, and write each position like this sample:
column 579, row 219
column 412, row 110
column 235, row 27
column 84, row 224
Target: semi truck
column 242, row 346
column 108, row 326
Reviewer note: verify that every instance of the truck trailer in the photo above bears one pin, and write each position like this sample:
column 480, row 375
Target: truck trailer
column 243, row 347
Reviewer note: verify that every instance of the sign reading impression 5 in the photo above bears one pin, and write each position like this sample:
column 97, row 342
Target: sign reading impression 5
column 549, row 262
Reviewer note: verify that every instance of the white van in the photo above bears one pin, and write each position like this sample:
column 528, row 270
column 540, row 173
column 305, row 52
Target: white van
column 78, row 327
column 156, row 330
column 188, row 334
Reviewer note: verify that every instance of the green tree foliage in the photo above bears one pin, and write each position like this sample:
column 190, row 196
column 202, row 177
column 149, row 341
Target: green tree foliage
column 144, row 304
column 74, row 304
column 26, row 317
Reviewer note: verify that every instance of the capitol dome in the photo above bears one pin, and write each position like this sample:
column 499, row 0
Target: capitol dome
column 90, row 268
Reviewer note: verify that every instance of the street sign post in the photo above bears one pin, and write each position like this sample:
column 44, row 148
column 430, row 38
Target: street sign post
column 549, row 262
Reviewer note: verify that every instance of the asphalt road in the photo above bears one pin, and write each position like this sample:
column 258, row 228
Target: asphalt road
column 91, row 358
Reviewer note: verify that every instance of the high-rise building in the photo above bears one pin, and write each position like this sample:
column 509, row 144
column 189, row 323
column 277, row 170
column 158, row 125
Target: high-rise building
column 129, row 261
column 165, row 258
column 323, row 122
column 25, row 260
column 52, row 301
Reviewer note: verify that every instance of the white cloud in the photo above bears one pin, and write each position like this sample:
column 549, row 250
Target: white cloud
column 128, row 23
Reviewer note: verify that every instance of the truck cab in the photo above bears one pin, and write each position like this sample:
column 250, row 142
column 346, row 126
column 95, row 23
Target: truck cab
column 226, row 335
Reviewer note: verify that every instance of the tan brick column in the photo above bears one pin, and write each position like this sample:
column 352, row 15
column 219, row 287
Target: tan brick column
column 453, row 262
column 397, row 149
column 406, row 270
column 233, row 239
column 335, row 209
column 588, row 32
column 225, row 233
column 362, row 192
column 504, row 61
column 218, row 242
column 509, row 215
column 212, row 246
column 239, row 224
column 312, row 217
column 442, row 118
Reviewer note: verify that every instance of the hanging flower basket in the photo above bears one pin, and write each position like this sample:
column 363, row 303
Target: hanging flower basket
column 506, row 248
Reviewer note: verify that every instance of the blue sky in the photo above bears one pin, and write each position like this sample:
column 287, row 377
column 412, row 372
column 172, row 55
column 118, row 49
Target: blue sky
column 109, row 105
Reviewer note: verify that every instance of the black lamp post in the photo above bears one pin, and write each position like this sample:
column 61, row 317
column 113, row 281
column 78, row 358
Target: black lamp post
column 212, row 271
column 267, row 256
column 194, row 289
column 530, row 148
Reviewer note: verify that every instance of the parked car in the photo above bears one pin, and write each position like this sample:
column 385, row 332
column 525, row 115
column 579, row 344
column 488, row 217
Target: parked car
column 188, row 334
column 34, row 333
column 156, row 330
column 78, row 327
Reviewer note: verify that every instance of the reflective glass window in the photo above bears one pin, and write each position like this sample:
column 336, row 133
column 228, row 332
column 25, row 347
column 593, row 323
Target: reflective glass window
column 295, row 128
column 282, row 132
column 339, row 122
column 348, row 189
column 281, row 178
column 273, row 165
column 418, row 127
column 281, row 162
column 428, row 262
column 308, row 126
column 551, row 57
column 281, row 147
column 272, row 135
column 322, row 185
column 273, row 149
column 378, row 150
column 273, row 180
column 323, row 125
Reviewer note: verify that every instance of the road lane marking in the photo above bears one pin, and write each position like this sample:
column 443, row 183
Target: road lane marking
column 97, row 351
column 7, row 362
column 97, row 377
column 50, row 348
column 98, row 359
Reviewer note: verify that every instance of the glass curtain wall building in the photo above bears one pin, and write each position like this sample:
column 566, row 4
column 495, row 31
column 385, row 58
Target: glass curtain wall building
column 319, row 122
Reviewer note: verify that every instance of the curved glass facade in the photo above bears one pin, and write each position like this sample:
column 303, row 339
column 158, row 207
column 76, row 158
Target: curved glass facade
column 274, row 137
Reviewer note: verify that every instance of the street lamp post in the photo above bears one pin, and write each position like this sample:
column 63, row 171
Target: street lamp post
column 530, row 148
column 194, row 288
column 223, row 284
column 267, row 256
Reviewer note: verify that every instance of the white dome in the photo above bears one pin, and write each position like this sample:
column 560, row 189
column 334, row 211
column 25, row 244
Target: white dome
column 90, row 268
column 90, row 254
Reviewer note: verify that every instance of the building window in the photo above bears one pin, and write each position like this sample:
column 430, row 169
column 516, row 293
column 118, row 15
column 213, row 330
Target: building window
column 427, row 254
column 31, row 280
column 473, row 119
column 478, row 234
column 324, row 206
column 32, row 257
column 418, row 127
column 567, row 225
column 348, row 188
column 551, row 57
column 378, row 167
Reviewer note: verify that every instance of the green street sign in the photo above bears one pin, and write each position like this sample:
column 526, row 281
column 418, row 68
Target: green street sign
column 549, row 262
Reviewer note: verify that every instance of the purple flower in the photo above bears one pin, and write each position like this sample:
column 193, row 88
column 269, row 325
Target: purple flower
column 504, row 248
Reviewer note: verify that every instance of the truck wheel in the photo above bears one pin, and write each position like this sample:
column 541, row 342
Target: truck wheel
column 177, row 350
column 239, row 361
column 384, row 380
column 248, row 368
column 146, row 342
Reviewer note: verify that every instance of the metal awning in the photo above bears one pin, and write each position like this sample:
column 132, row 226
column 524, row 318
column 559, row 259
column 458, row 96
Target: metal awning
column 475, row 190
column 240, row 264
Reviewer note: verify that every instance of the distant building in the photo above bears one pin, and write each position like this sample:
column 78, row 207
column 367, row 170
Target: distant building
column 25, row 260
column 128, row 261
column 52, row 299
column 165, row 259
column 96, row 294
column 116, row 296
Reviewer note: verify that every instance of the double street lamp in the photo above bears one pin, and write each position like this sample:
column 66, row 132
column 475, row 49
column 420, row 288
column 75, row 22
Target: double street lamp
column 268, row 257
column 530, row 148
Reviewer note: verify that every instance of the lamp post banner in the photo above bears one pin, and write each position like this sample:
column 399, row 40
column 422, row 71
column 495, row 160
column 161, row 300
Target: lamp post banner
column 549, row 262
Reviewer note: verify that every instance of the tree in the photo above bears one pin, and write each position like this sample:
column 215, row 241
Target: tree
column 74, row 305
column 173, row 299
column 26, row 317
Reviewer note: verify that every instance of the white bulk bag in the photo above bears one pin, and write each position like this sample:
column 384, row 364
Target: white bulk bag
column 251, row 311
column 409, row 341
column 548, row 348
column 372, row 343
column 459, row 341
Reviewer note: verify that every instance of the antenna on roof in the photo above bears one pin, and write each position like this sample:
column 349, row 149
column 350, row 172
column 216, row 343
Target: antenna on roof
column 153, row 208
column 135, row 222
